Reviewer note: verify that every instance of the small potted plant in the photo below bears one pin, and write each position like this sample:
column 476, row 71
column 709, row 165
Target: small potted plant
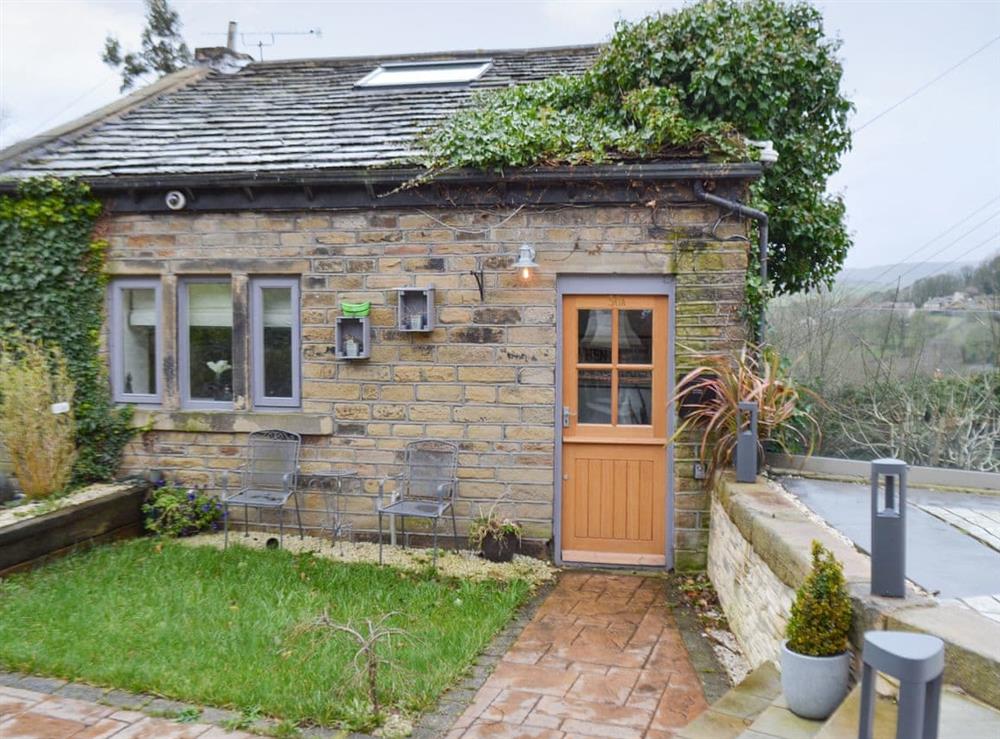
column 815, row 663
column 176, row 511
column 495, row 538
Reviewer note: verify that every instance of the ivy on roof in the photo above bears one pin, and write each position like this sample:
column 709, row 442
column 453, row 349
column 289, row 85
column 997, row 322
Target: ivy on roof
column 690, row 83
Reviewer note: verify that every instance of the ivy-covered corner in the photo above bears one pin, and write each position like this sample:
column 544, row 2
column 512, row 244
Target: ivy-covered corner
column 692, row 82
column 52, row 285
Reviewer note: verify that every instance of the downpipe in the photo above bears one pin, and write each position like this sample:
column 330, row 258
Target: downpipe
column 757, row 215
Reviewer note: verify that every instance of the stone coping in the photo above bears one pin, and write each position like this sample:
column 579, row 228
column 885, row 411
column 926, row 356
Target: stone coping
column 781, row 533
column 229, row 422
column 860, row 471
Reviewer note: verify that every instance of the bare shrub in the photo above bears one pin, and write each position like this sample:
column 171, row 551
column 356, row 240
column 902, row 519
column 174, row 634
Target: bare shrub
column 41, row 443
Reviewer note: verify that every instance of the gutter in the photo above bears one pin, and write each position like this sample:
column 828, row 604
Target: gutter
column 762, row 222
column 395, row 176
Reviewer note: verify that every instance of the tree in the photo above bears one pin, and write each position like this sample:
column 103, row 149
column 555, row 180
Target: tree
column 686, row 83
column 163, row 47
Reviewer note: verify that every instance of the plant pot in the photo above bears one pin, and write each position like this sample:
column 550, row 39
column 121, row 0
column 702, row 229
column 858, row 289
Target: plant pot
column 813, row 686
column 499, row 549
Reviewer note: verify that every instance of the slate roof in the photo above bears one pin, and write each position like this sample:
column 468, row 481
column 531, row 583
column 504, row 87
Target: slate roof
column 275, row 116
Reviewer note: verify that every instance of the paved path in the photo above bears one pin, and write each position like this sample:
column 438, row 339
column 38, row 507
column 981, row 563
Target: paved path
column 602, row 658
column 26, row 714
column 940, row 556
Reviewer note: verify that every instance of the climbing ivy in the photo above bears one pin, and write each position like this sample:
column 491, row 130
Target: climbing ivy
column 52, row 288
column 683, row 84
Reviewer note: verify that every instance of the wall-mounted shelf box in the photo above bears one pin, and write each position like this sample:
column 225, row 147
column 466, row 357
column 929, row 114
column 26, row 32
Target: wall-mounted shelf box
column 358, row 329
column 415, row 309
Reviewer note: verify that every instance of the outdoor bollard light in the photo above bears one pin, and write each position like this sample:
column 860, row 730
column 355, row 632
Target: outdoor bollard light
column 746, row 443
column 889, row 528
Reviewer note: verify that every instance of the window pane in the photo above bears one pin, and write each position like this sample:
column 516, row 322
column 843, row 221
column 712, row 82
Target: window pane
column 277, row 316
column 635, row 396
column 594, row 330
column 594, row 396
column 210, row 341
column 635, row 337
column 139, row 341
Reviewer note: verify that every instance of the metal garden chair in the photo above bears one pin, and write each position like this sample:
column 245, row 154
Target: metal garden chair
column 425, row 488
column 267, row 480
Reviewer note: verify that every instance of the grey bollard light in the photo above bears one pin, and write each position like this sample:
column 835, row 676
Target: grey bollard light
column 746, row 443
column 888, row 527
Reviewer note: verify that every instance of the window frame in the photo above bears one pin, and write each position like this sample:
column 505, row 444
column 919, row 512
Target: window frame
column 184, row 340
column 116, row 341
column 259, row 399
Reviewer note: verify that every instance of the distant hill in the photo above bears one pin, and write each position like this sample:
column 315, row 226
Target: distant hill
column 910, row 272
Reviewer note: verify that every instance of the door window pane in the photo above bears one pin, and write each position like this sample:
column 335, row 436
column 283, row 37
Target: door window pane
column 277, row 351
column 594, row 331
column 635, row 395
column 594, row 396
column 138, row 354
column 635, row 336
column 210, row 340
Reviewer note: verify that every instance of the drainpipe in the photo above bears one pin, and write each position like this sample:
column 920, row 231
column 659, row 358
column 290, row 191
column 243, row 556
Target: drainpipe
column 744, row 210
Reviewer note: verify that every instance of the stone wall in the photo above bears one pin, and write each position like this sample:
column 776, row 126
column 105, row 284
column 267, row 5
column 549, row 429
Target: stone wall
column 484, row 378
column 757, row 604
column 759, row 553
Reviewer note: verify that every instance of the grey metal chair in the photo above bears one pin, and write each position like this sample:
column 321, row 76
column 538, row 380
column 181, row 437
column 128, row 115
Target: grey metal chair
column 267, row 480
column 425, row 488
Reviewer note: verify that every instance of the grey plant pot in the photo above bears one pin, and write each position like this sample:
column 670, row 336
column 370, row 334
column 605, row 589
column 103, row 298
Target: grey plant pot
column 813, row 686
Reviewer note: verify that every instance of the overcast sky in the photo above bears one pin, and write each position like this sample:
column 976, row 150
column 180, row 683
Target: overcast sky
column 912, row 174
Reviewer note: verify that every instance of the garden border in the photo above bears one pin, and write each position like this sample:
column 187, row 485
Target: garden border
column 116, row 515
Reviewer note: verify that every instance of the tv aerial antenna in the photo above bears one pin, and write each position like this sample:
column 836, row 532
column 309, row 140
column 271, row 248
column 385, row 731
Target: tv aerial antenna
column 264, row 38
column 267, row 39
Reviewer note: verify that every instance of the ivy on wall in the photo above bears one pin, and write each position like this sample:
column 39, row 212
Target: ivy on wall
column 52, row 287
column 684, row 83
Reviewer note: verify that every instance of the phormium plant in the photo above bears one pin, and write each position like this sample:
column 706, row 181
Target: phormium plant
column 820, row 621
column 175, row 511
column 710, row 394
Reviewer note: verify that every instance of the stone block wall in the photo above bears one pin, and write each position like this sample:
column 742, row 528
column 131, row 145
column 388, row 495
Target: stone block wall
column 757, row 604
column 484, row 378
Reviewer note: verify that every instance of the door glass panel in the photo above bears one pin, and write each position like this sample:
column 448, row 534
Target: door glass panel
column 210, row 341
column 635, row 396
column 277, row 316
column 594, row 336
column 594, row 396
column 635, row 336
column 139, row 341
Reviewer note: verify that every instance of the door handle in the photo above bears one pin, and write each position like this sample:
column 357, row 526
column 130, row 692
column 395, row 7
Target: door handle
column 566, row 415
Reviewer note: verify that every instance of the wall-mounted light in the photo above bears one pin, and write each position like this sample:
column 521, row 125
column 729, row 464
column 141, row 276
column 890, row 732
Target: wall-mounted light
column 525, row 263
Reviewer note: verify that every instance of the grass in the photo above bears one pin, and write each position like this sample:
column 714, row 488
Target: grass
column 219, row 628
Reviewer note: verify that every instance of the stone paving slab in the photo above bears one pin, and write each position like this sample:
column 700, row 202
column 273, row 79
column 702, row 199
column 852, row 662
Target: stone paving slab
column 602, row 657
column 31, row 714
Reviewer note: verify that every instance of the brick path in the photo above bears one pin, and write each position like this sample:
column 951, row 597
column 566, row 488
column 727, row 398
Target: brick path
column 602, row 657
column 26, row 714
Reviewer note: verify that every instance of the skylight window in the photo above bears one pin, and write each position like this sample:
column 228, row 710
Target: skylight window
column 418, row 74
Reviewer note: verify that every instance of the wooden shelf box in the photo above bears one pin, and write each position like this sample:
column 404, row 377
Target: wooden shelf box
column 415, row 309
column 358, row 329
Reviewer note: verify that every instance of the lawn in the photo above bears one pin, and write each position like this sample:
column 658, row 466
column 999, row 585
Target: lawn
column 205, row 626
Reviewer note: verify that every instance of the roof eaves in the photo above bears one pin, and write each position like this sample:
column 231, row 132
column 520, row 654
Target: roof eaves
column 40, row 144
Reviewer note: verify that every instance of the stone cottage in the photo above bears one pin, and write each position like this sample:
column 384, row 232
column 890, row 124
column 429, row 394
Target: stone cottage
column 245, row 201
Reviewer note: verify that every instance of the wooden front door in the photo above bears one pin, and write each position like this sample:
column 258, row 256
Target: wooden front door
column 614, row 434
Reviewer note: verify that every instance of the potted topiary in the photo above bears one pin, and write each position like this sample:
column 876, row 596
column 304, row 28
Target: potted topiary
column 495, row 538
column 815, row 663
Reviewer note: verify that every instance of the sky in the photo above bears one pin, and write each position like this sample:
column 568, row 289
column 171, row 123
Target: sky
column 930, row 166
